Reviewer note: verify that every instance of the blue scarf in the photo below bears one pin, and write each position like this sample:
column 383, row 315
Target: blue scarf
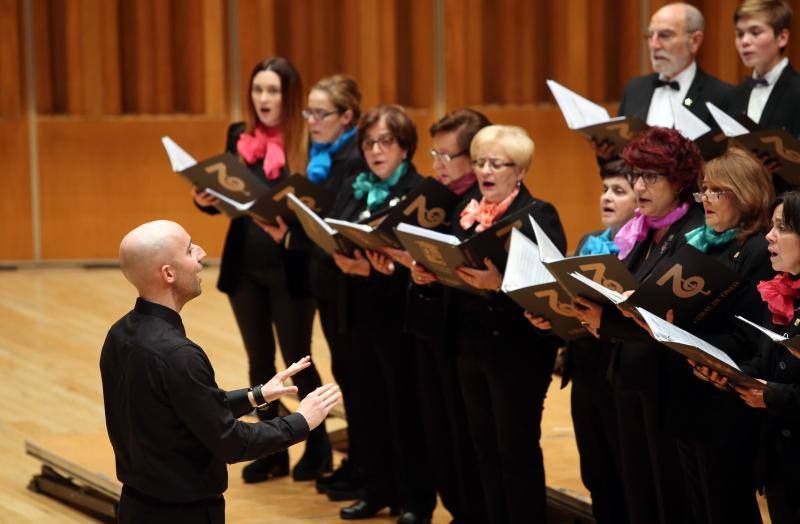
column 704, row 237
column 601, row 244
column 376, row 189
column 319, row 163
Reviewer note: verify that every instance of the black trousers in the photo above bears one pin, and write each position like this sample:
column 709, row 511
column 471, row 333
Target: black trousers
column 783, row 504
column 651, row 472
column 136, row 508
column 444, row 417
column 594, row 417
column 504, row 387
column 344, row 364
column 396, row 467
column 720, row 477
column 262, row 300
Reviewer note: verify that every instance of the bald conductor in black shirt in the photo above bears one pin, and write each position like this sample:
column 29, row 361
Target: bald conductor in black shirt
column 172, row 428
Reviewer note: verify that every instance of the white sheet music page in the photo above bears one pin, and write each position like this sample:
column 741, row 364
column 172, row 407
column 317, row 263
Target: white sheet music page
column 578, row 111
column 726, row 123
column 775, row 337
column 297, row 203
column 547, row 249
column 239, row 206
column 428, row 233
column 178, row 157
column 663, row 331
column 687, row 122
column 613, row 296
column 524, row 267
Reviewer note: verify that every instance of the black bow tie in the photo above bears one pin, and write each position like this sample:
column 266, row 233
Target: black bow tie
column 758, row 82
column 657, row 82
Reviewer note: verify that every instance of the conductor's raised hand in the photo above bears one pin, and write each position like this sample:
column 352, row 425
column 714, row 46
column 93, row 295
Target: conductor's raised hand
column 382, row 263
column 317, row 404
column 203, row 198
column 277, row 232
column 274, row 389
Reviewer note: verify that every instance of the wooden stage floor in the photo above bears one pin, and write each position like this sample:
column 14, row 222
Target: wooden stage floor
column 52, row 326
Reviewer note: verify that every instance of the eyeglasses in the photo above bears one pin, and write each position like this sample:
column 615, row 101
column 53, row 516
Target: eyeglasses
column 493, row 164
column 662, row 36
column 317, row 114
column 708, row 196
column 446, row 157
column 648, row 177
column 384, row 142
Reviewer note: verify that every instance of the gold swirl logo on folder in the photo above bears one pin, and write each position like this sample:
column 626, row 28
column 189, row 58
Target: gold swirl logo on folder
column 599, row 275
column 230, row 183
column 623, row 129
column 683, row 288
column 307, row 200
column 789, row 154
column 561, row 308
column 427, row 218
column 432, row 253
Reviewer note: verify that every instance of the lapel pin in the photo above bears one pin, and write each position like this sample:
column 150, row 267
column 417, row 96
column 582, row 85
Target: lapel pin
column 688, row 102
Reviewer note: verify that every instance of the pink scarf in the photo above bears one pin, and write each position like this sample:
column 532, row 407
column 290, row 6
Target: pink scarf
column 779, row 294
column 635, row 230
column 485, row 213
column 460, row 185
column 266, row 143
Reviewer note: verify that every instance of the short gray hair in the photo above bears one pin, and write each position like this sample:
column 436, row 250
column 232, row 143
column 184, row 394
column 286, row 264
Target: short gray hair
column 694, row 18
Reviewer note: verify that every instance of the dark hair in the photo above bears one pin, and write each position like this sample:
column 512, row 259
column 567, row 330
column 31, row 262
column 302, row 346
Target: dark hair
column 467, row 122
column 791, row 209
column 292, row 124
column 777, row 13
column 668, row 152
column 616, row 168
column 397, row 120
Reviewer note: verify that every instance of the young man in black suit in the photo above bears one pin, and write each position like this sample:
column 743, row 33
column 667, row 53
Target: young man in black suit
column 770, row 97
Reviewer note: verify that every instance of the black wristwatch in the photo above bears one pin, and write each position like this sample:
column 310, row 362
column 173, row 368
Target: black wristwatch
column 258, row 396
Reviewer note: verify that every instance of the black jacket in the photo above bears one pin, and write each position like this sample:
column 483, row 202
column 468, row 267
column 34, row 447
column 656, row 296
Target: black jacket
column 247, row 247
column 375, row 303
column 496, row 318
column 781, row 111
column 705, row 88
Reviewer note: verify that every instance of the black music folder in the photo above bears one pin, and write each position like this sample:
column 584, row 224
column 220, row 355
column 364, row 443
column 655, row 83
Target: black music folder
column 690, row 283
column 317, row 229
column 592, row 120
column 442, row 254
column 239, row 190
column 697, row 349
column 787, row 342
column 426, row 206
column 777, row 144
column 528, row 283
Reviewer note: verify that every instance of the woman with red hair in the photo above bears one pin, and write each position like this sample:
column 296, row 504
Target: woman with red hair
column 665, row 169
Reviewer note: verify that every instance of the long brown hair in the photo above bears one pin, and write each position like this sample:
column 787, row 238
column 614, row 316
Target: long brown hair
column 292, row 124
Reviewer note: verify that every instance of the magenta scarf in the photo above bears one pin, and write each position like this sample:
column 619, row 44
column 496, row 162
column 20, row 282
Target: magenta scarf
column 780, row 294
column 266, row 143
column 461, row 185
column 635, row 230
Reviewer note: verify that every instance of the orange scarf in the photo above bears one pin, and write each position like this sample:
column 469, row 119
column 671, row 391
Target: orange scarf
column 485, row 213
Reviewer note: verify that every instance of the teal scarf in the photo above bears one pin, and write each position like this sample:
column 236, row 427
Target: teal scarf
column 376, row 189
column 602, row 244
column 704, row 237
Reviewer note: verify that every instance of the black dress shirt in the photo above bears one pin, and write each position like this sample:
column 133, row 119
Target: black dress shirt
column 171, row 427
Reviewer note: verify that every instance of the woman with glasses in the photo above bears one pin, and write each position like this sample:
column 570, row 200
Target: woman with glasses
column 504, row 363
column 716, row 435
column 332, row 115
column 665, row 169
column 265, row 279
column 778, row 368
column 392, row 445
column 586, row 362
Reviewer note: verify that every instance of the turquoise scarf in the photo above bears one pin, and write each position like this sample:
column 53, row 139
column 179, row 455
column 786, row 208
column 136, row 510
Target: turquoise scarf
column 704, row 237
column 376, row 189
column 601, row 244
column 319, row 163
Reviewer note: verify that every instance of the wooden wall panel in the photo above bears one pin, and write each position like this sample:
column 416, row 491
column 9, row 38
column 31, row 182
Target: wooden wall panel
column 100, row 179
column 16, row 234
column 11, row 71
